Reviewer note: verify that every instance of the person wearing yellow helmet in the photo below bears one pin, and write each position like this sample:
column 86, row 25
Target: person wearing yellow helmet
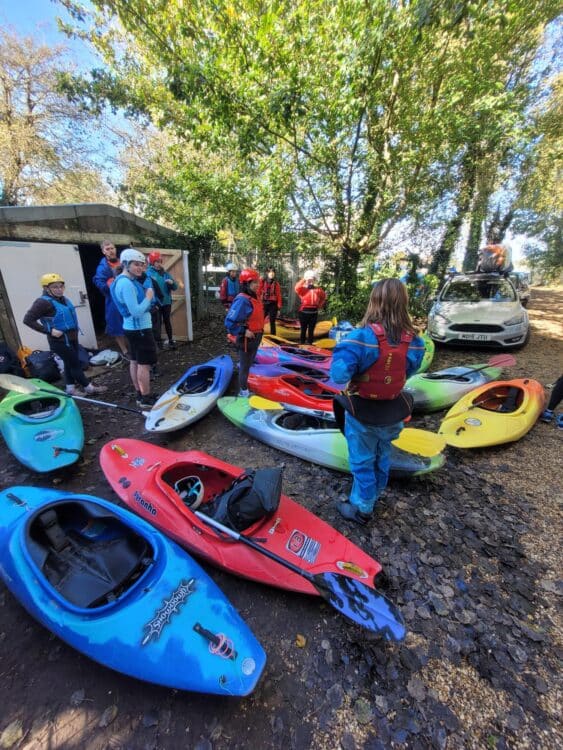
column 54, row 315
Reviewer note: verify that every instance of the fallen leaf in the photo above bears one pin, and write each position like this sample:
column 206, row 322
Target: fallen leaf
column 300, row 641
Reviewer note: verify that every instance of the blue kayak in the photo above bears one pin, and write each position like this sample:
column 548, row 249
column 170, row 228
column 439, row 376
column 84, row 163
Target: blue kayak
column 192, row 396
column 43, row 429
column 118, row 591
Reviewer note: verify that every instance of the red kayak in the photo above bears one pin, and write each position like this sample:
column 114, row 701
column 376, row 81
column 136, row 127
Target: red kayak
column 144, row 477
column 294, row 391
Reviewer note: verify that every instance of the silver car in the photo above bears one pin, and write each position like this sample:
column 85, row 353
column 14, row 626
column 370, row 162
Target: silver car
column 478, row 308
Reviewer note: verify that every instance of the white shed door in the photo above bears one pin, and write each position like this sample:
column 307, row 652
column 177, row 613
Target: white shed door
column 23, row 263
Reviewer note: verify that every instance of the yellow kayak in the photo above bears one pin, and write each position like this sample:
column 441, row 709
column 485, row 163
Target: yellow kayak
column 290, row 329
column 499, row 412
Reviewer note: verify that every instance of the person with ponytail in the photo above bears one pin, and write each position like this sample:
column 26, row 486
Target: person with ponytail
column 375, row 360
column 245, row 322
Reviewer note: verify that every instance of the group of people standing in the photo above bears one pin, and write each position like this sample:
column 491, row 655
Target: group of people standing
column 137, row 303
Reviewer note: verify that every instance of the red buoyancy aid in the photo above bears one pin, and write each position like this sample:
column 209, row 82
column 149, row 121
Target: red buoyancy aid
column 387, row 376
column 270, row 291
column 255, row 321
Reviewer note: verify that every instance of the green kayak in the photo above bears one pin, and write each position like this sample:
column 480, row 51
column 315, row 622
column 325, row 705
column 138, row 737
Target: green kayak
column 318, row 440
column 433, row 391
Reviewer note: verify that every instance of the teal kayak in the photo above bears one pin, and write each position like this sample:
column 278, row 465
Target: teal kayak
column 439, row 390
column 43, row 430
column 318, row 440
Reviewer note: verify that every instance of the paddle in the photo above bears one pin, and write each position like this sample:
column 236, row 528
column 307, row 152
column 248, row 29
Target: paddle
column 325, row 343
column 257, row 402
column 499, row 360
column 21, row 385
column 353, row 599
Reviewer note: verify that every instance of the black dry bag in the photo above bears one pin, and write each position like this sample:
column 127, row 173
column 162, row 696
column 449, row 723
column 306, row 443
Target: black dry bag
column 253, row 495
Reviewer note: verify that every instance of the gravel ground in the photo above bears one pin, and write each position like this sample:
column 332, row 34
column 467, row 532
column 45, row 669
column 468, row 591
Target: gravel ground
column 471, row 554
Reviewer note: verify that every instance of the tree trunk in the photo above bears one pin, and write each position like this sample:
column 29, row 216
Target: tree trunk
column 441, row 259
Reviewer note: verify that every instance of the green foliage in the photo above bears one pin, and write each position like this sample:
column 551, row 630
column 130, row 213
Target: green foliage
column 342, row 117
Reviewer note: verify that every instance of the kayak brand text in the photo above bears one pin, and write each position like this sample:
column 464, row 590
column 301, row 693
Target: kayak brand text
column 138, row 498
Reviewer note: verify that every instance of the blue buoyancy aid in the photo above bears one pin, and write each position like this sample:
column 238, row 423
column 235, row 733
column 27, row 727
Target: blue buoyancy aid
column 121, row 306
column 64, row 318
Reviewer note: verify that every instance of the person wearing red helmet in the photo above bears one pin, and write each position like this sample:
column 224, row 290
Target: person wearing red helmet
column 163, row 284
column 245, row 321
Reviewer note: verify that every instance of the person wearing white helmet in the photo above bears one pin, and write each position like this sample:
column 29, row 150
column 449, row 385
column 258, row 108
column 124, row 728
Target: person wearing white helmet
column 230, row 286
column 54, row 315
column 134, row 300
column 312, row 299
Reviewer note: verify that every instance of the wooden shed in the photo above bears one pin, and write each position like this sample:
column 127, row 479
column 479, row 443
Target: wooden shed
column 66, row 239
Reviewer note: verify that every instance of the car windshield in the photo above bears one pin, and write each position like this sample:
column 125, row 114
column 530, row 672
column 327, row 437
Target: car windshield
column 475, row 290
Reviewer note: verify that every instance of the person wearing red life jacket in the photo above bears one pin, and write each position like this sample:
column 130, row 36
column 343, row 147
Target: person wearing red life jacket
column 312, row 299
column 245, row 321
column 270, row 295
column 375, row 360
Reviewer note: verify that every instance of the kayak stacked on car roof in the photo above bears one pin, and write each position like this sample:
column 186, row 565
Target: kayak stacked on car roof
column 44, row 429
column 192, row 396
column 295, row 391
column 155, row 482
column 439, row 390
column 319, row 441
column 499, row 412
column 118, row 591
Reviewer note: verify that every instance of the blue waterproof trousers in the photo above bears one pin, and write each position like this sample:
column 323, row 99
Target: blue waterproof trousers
column 369, row 448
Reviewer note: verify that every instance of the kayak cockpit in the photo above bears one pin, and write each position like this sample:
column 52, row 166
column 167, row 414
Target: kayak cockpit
column 87, row 554
column 37, row 409
column 198, row 382
column 503, row 399
column 296, row 422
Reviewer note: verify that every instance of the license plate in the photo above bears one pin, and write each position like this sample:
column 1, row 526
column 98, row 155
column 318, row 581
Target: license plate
column 475, row 336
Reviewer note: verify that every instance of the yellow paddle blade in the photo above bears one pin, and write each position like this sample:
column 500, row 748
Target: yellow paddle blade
column 257, row 402
column 423, row 442
column 325, row 343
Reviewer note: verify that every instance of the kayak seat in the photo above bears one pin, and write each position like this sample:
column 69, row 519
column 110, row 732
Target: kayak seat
column 199, row 382
column 510, row 403
column 40, row 408
column 291, row 421
column 88, row 571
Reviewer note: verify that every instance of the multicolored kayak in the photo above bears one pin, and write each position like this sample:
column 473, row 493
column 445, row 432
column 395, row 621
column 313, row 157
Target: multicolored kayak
column 439, row 390
column 290, row 328
column 115, row 589
column 149, row 479
column 320, row 442
column 44, row 429
column 280, row 355
column 499, row 412
column 429, row 349
column 294, row 391
column 192, row 396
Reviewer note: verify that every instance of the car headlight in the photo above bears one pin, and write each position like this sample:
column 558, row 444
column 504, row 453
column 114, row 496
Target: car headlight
column 515, row 321
column 440, row 318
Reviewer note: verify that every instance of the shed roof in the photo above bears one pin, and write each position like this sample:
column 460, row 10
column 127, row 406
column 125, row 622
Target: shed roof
column 83, row 223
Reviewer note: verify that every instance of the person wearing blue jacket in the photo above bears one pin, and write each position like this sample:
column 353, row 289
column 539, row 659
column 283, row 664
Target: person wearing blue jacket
column 245, row 323
column 375, row 361
column 108, row 268
column 163, row 284
column 134, row 299
column 54, row 315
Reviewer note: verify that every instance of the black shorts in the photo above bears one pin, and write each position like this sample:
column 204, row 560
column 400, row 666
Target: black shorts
column 142, row 346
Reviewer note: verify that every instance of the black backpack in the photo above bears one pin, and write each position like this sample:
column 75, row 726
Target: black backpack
column 9, row 362
column 42, row 365
column 253, row 495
